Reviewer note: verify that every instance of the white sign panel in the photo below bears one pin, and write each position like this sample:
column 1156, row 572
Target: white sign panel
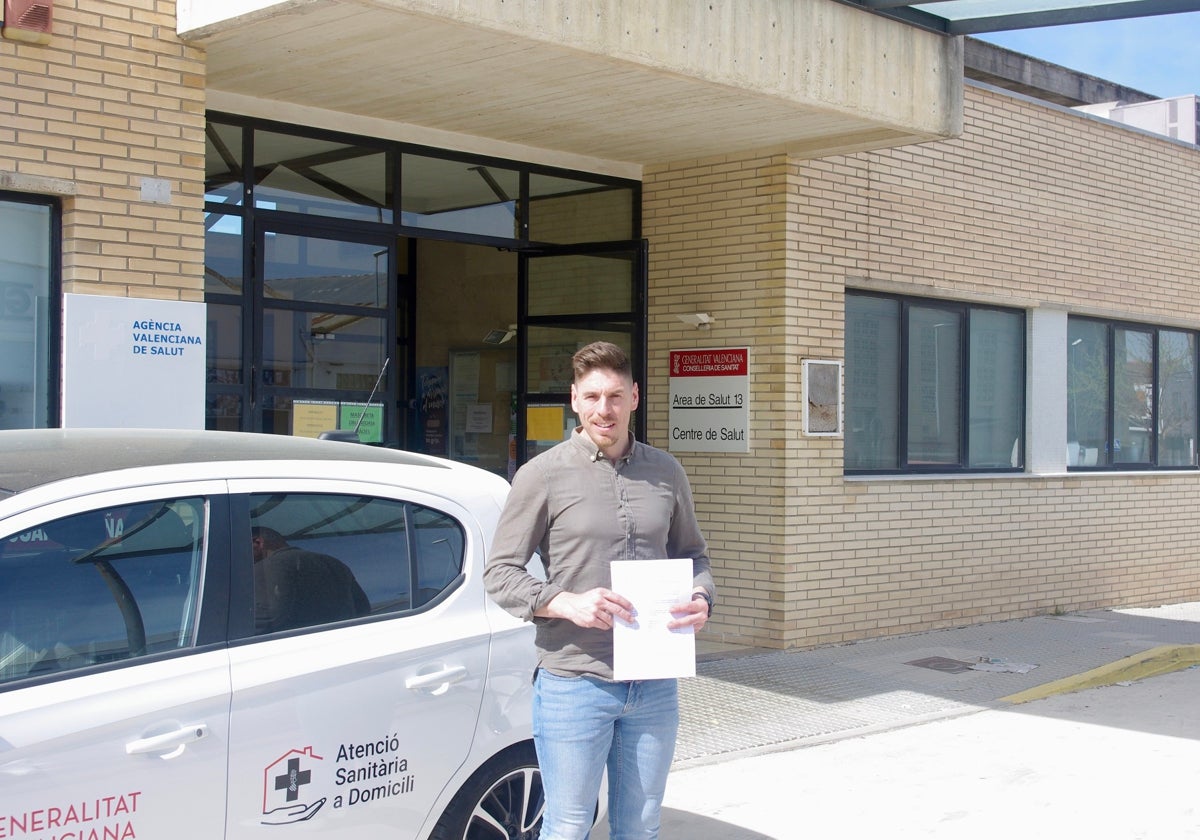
column 133, row 363
column 710, row 400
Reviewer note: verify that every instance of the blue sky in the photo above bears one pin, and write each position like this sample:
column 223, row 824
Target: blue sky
column 1158, row 55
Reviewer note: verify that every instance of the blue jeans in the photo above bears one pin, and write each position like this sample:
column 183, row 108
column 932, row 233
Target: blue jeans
column 581, row 724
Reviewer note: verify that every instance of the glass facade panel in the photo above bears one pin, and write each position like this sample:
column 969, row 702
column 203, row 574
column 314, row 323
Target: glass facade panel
column 580, row 284
column 566, row 210
column 223, row 412
column 317, row 270
column 321, row 177
column 1133, row 395
column 223, row 252
column 1177, row 399
column 996, row 403
column 326, row 350
column 110, row 584
column 934, row 386
column 547, row 424
column 458, row 196
column 224, row 175
column 27, row 234
column 225, row 362
column 1087, row 394
column 551, row 348
column 872, row 383
column 357, row 249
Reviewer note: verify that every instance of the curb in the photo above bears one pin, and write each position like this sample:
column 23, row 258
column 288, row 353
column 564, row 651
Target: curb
column 1151, row 663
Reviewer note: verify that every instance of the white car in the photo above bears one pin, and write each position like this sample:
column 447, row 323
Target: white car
column 221, row 635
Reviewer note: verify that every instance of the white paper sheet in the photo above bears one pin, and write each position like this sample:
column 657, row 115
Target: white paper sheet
column 647, row 649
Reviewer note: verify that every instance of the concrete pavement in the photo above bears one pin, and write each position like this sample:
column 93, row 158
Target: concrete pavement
column 1109, row 763
column 1084, row 725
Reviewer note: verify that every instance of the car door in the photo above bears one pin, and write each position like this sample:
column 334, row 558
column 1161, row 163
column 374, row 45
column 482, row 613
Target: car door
column 114, row 687
column 347, row 719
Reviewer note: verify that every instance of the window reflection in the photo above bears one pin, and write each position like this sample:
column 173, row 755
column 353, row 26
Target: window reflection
column 950, row 375
column 569, row 210
column 317, row 270
column 551, row 348
column 465, row 197
column 224, row 344
column 223, row 251
column 581, row 283
column 321, row 558
column 872, row 382
column 1177, row 399
column 321, row 177
column 1087, row 394
column 224, row 180
column 101, row 586
column 997, row 397
column 1133, row 396
column 223, row 413
column 26, row 230
column 328, row 350
column 934, row 394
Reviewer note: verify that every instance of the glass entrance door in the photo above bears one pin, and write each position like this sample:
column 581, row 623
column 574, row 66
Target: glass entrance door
column 570, row 297
column 325, row 319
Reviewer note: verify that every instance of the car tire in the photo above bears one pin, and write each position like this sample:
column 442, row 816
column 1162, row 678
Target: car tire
column 504, row 800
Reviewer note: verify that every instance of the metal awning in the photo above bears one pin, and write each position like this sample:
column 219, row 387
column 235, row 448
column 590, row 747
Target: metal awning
column 971, row 17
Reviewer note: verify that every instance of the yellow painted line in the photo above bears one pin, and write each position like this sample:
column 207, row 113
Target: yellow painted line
column 1156, row 661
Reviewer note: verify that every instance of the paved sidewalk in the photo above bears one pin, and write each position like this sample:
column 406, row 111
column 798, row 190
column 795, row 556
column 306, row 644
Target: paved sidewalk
column 772, row 745
column 1111, row 763
column 785, row 699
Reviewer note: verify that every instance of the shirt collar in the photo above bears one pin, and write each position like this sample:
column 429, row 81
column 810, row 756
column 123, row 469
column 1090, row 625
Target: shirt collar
column 580, row 439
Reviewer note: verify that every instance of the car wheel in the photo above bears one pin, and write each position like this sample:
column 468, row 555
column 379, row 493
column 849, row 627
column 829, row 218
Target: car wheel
column 502, row 801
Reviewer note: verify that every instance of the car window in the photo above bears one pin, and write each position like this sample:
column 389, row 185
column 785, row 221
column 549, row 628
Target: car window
column 322, row 558
column 100, row 586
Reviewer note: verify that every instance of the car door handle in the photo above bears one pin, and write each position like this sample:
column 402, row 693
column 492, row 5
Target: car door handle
column 174, row 741
column 443, row 679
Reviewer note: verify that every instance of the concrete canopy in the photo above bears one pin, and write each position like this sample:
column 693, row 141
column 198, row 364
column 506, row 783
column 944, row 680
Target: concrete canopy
column 636, row 81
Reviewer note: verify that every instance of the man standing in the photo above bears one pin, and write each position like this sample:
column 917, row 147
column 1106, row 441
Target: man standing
column 597, row 497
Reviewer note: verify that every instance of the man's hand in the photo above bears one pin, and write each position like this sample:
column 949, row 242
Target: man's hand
column 595, row 608
column 694, row 614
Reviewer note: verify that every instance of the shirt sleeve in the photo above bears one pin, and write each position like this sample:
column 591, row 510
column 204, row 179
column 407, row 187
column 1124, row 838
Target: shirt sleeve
column 521, row 529
column 685, row 538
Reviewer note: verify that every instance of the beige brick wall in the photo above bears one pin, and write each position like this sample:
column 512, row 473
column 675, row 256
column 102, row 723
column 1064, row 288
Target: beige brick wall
column 114, row 99
column 716, row 230
column 1032, row 206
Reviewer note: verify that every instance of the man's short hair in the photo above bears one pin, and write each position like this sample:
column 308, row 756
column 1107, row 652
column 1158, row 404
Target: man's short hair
column 601, row 355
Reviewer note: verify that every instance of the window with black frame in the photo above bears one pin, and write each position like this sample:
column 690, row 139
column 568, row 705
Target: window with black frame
column 100, row 587
column 29, row 304
column 321, row 558
column 933, row 386
column 1131, row 396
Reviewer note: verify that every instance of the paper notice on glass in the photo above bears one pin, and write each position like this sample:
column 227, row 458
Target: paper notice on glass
column 647, row 649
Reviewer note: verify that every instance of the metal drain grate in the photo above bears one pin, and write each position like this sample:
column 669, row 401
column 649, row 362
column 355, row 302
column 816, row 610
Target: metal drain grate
column 941, row 663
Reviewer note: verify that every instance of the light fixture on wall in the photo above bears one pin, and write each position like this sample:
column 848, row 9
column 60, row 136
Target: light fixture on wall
column 699, row 320
column 500, row 336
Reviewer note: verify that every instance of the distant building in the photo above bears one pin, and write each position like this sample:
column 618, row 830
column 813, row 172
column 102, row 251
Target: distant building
column 1177, row 117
